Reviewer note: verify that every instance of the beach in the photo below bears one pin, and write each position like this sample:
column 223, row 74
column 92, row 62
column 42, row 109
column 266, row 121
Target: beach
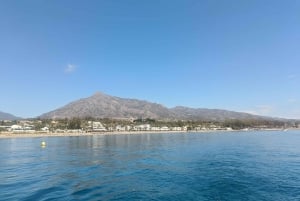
column 69, row 134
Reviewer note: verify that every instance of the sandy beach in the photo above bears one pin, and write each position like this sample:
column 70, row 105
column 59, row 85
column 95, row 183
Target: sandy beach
column 31, row 135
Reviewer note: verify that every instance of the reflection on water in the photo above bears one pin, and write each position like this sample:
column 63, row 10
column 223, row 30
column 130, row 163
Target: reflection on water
column 219, row 166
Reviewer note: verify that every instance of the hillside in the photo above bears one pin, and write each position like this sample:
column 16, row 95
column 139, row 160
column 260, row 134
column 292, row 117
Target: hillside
column 211, row 114
column 7, row 116
column 104, row 106
column 101, row 105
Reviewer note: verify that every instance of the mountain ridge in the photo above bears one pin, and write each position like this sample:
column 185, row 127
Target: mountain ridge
column 101, row 105
column 8, row 116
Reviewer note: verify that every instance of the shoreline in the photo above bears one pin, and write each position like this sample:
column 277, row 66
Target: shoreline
column 4, row 135
column 36, row 135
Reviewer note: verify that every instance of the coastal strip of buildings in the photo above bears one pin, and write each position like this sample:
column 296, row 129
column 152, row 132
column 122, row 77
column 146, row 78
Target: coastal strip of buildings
column 87, row 126
column 37, row 126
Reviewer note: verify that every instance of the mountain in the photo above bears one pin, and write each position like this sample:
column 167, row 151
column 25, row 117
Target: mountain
column 105, row 106
column 7, row 116
column 211, row 114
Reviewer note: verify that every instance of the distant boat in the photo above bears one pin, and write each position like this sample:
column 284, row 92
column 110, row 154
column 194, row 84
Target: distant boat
column 285, row 130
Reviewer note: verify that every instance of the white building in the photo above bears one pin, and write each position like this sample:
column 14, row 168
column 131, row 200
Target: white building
column 120, row 128
column 16, row 128
column 45, row 129
column 143, row 127
column 21, row 129
column 96, row 126
column 164, row 128
column 155, row 128
column 176, row 128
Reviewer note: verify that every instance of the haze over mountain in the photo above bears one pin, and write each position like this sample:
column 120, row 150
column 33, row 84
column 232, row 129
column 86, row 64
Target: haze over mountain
column 7, row 116
column 211, row 114
column 101, row 105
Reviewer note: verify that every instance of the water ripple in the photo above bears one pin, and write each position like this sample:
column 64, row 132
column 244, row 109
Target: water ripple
column 228, row 166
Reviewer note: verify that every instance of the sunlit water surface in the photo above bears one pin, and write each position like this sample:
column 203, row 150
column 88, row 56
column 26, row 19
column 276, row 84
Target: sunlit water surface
column 192, row 166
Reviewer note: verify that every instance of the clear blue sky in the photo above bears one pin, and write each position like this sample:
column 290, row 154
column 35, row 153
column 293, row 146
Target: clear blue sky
column 233, row 54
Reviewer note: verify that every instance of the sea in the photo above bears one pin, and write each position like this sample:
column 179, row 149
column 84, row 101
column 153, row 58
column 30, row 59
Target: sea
column 217, row 166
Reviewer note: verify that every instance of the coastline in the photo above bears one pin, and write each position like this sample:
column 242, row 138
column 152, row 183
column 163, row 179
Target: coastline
column 34, row 135
column 4, row 135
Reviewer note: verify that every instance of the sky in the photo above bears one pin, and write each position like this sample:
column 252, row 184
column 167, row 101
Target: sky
column 236, row 55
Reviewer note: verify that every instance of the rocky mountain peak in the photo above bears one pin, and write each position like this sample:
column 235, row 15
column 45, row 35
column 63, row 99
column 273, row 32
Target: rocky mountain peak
column 101, row 105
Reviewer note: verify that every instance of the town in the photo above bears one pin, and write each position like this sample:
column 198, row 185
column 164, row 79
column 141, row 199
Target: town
column 88, row 125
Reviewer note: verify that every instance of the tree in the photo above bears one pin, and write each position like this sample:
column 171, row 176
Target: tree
column 74, row 123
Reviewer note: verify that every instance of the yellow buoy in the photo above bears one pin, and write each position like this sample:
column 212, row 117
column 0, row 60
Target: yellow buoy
column 43, row 144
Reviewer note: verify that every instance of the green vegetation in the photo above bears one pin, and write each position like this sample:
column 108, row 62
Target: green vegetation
column 74, row 123
column 86, row 124
column 241, row 124
column 2, row 129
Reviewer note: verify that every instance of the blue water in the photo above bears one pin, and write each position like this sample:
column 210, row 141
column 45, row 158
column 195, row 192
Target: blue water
column 208, row 166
